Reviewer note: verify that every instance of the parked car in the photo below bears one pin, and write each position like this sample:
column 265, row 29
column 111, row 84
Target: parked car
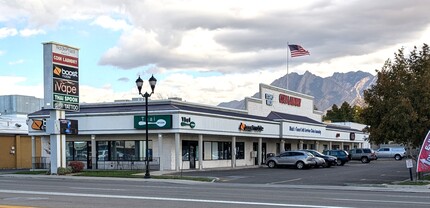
column 299, row 159
column 365, row 155
column 329, row 160
column 341, row 155
column 397, row 153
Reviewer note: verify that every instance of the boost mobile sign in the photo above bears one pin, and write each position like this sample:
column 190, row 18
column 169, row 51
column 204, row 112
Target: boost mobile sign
column 61, row 76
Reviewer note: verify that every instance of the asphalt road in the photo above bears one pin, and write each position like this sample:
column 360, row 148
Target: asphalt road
column 343, row 186
column 79, row 192
column 381, row 171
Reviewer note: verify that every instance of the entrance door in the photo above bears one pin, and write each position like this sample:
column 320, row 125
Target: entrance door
column 192, row 157
column 263, row 153
column 190, row 152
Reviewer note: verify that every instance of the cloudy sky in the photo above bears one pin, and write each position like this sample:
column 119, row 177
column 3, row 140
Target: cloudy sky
column 202, row 51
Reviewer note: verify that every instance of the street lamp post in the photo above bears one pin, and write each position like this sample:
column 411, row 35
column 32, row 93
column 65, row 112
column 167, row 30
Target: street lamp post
column 139, row 82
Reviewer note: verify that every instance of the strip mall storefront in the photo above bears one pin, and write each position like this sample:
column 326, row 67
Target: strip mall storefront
column 185, row 135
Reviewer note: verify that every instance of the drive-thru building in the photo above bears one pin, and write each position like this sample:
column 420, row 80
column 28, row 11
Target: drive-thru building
column 184, row 135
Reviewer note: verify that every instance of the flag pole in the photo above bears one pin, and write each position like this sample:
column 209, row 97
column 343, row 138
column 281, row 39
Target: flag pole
column 287, row 63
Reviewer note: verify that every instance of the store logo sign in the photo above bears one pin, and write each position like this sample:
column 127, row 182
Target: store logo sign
column 269, row 99
column 244, row 127
column 304, row 130
column 290, row 100
column 352, row 136
column 187, row 122
column 154, row 122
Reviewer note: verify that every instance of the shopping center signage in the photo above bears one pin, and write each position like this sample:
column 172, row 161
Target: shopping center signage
column 68, row 126
column 61, row 77
column 244, row 127
column 290, row 100
column 154, row 122
column 269, row 99
column 304, row 130
column 186, row 121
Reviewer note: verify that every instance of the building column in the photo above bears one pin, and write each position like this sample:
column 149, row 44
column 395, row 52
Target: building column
column 160, row 152
column 200, row 152
column 233, row 152
column 301, row 144
column 93, row 152
column 18, row 152
column 317, row 145
column 282, row 146
column 177, row 152
column 341, row 146
column 260, row 151
column 33, row 152
column 57, row 141
column 330, row 144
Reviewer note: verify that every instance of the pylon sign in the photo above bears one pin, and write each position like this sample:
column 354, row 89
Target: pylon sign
column 38, row 125
column 61, row 76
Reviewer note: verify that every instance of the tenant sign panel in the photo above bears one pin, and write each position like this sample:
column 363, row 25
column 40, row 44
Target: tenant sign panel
column 61, row 76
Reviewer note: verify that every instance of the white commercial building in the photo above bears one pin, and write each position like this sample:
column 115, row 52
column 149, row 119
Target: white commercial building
column 185, row 135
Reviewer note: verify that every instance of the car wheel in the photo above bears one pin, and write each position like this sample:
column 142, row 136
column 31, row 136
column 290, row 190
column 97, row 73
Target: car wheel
column 300, row 165
column 364, row 160
column 326, row 165
column 397, row 157
column 339, row 162
column 271, row 164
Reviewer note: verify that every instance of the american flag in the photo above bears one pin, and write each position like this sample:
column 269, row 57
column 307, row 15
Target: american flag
column 297, row 50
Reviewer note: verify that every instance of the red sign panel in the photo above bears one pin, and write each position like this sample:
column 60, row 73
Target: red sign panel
column 424, row 157
column 65, row 60
column 289, row 100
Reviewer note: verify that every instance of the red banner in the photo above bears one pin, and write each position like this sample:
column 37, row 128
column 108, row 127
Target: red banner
column 65, row 60
column 424, row 157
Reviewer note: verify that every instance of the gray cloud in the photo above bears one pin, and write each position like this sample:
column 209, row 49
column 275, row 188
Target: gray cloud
column 123, row 79
column 328, row 29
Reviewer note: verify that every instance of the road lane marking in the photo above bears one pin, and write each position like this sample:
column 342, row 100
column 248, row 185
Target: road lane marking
column 296, row 179
column 10, row 206
column 99, row 189
column 380, row 201
column 166, row 199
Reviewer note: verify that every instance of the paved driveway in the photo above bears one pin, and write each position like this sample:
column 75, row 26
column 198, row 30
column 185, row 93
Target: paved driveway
column 376, row 172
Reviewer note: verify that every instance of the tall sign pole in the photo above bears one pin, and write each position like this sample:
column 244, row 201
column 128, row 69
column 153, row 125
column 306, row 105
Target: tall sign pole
column 61, row 93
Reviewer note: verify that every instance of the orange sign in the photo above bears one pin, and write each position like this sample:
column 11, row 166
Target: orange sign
column 37, row 125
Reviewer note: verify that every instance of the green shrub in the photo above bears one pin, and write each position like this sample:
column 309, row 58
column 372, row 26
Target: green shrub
column 64, row 171
column 76, row 166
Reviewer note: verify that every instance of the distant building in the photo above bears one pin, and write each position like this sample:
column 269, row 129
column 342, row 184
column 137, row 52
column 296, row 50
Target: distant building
column 15, row 144
column 19, row 104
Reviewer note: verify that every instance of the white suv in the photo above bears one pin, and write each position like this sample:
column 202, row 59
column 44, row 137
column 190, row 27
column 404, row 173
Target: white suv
column 391, row 152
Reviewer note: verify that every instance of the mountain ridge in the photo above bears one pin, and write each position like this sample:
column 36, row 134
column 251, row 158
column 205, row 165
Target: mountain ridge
column 336, row 89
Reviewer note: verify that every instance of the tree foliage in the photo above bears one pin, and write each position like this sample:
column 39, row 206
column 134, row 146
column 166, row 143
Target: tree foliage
column 398, row 105
column 345, row 113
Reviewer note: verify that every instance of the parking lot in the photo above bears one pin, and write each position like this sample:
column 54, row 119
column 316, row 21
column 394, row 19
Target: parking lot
column 381, row 171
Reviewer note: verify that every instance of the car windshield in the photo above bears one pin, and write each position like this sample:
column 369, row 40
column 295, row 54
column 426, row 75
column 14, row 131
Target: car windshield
column 310, row 154
column 316, row 153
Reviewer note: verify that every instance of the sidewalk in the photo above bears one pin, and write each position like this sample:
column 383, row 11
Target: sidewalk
column 356, row 187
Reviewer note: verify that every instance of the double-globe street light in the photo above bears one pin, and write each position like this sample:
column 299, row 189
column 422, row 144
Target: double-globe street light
column 139, row 82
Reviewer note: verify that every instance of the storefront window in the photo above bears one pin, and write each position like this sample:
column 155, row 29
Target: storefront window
column 240, row 150
column 215, row 153
column 116, row 150
column 222, row 150
column 123, row 150
column 69, row 151
column 80, row 150
column 207, row 151
column 102, row 150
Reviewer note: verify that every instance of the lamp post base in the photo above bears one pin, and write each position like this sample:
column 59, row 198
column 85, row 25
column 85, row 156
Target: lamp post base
column 147, row 175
